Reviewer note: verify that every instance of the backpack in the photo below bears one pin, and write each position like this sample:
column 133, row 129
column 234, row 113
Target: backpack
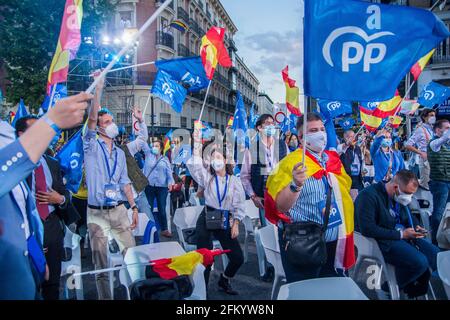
column 154, row 289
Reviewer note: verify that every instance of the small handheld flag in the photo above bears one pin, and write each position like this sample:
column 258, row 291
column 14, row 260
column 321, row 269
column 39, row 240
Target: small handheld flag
column 21, row 112
column 168, row 90
column 292, row 93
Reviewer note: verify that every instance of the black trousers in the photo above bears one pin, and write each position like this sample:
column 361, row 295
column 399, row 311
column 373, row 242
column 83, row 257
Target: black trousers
column 187, row 185
column 54, row 242
column 204, row 240
column 81, row 206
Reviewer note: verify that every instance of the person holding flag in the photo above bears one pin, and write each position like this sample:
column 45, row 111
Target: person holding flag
column 312, row 191
column 158, row 171
column 418, row 143
column 387, row 161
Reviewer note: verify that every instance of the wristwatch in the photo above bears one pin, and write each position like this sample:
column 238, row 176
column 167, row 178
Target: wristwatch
column 135, row 207
column 294, row 188
column 51, row 124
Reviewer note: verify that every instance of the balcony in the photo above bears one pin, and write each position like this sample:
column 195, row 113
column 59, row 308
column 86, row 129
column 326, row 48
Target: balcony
column 165, row 39
column 183, row 15
column 437, row 59
column 194, row 26
column 198, row 95
column 221, row 79
column 184, row 51
column 170, row 7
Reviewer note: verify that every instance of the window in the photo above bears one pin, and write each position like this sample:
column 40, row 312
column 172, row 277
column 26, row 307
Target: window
column 165, row 120
column 127, row 102
column 164, row 25
column 126, row 19
column 183, row 122
column 192, row 123
column 124, row 118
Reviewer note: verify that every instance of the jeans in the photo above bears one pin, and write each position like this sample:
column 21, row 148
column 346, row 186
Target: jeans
column 294, row 273
column 441, row 196
column 160, row 193
column 411, row 259
column 144, row 207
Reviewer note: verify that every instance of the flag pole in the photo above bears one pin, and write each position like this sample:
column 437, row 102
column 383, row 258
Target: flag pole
column 129, row 45
column 204, row 101
column 146, row 105
column 305, row 123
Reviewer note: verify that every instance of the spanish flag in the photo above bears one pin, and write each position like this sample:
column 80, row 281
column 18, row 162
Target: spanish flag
column 417, row 69
column 183, row 265
column 292, row 93
column 395, row 121
column 369, row 121
column 68, row 42
column 230, row 122
column 167, row 140
column 213, row 51
column 341, row 183
column 388, row 108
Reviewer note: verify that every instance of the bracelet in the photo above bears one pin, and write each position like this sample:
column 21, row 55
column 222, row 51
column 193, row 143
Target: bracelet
column 135, row 207
column 294, row 188
column 51, row 124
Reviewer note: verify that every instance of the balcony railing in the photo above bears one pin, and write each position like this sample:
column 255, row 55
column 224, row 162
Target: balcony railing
column 183, row 15
column 220, row 78
column 183, row 51
column 160, row 2
column 164, row 39
column 145, row 78
column 440, row 59
column 194, row 26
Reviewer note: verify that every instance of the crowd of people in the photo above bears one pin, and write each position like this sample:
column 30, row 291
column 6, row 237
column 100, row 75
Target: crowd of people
column 364, row 181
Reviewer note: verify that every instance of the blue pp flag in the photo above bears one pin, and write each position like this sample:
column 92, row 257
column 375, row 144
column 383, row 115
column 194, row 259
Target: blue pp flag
column 60, row 93
column 332, row 140
column 334, row 109
column 188, row 71
column 168, row 90
column 184, row 154
column 71, row 159
column 433, row 94
column 253, row 118
column 289, row 124
column 347, row 123
column 21, row 112
column 360, row 51
column 240, row 119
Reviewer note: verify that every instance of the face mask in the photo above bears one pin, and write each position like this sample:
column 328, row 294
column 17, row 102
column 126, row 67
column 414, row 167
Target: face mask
column 270, row 131
column 387, row 143
column 172, row 146
column 432, row 120
column 155, row 150
column 316, row 141
column 217, row 164
column 403, row 198
column 293, row 146
column 7, row 134
column 111, row 130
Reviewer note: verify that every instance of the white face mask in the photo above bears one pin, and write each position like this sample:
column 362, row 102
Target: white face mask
column 112, row 130
column 316, row 141
column 217, row 164
column 432, row 120
column 403, row 198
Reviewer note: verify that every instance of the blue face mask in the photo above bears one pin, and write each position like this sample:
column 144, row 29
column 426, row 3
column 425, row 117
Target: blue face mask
column 155, row 150
column 270, row 131
column 387, row 143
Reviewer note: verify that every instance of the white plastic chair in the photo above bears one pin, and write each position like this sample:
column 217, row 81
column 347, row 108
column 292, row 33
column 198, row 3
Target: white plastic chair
column 194, row 200
column 186, row 218
column 250, row 220
column 339, row 288
column 72, row 241
column 443, row 266
column 168, row 211
column 116, row 259
column 144, row 254
column 369, row 250
column 269, row 240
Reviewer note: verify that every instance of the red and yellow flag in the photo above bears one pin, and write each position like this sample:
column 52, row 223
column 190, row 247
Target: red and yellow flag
column 417, row 69
column 369, row 121
column 395, row 121
column 230, row 122
column 185, row 264
column 68, row 42
column 292, row 93
column 213, row 51
column 388, row 108
column 341, row 182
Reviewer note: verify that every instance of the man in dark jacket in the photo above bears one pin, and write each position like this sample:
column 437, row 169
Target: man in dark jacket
column 352, row 160
column 53, row 203
column 381, row 213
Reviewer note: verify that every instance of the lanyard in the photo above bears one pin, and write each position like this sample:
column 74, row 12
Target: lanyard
column 221, row 199
column 107, row 163
column 396, row 209
column 269, row 157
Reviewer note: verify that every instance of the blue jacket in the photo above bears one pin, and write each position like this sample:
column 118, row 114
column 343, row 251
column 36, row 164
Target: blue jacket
column 17, row 274
column 381, row 160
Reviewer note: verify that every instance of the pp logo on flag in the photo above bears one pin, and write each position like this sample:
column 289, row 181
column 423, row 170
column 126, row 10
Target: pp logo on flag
column 354, row 52
column 428, row 95
column 74, row 162
column 191, row 80
column 168, row 90
column 331, row 106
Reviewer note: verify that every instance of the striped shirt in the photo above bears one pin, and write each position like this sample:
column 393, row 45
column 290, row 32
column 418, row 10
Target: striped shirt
column 307, row 208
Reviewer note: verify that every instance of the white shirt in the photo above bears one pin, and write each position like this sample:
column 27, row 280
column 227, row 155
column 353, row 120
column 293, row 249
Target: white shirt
column 235, row 197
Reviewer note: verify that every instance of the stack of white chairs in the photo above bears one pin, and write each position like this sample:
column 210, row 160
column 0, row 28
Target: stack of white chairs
column 443, row 265
column 72, row 242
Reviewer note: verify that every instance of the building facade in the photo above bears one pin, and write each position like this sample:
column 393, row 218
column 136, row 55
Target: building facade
column 160, row 41
column 265, row 104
